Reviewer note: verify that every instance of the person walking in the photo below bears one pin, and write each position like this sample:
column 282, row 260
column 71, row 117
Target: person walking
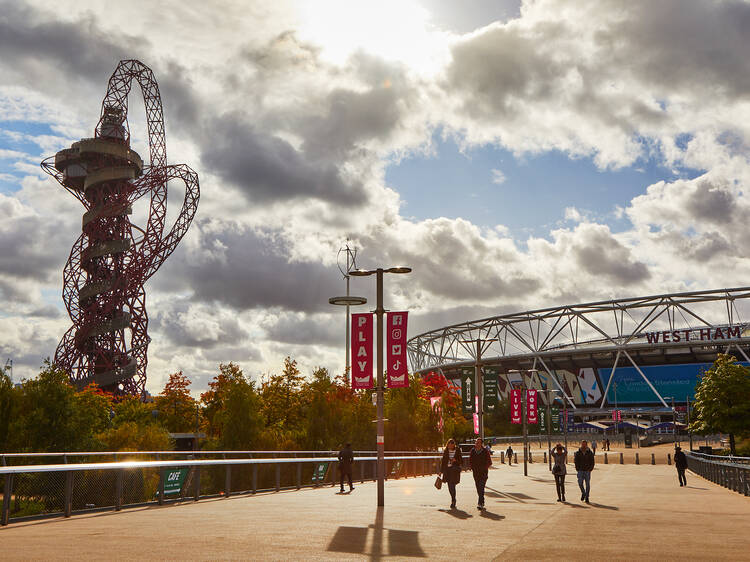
column 606, row 443
column 584, row 462
column 509, row 454
column 451, row 468
column 593, row 445
column 680, row 462
column 346, row 460
column 559, row 470
column 480, row 461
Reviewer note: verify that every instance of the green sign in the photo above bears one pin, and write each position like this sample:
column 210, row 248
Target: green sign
column 489, row 381
column 395, row 469
column 319, row 472
column 467, row 390
column 542, row 414
column 174, row 478
column 555, row 415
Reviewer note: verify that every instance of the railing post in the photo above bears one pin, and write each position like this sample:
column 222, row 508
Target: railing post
column 228, row 482
column 502, row 457
column 299, row 475
column 197, row 494
column 7, row 491
column 669, row 459
column 278, row 477
column 622, row 458
column 362, row 472
column 118, row 489
column 68, row 509
column 653, row 458
column 637, row 460
column 255, row 478
column 161, row 486
column 605, row 459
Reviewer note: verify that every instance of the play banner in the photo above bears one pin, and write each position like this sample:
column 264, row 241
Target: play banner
column 531, row 403
column 396, row 369
column 515, row 406
column 362, row 357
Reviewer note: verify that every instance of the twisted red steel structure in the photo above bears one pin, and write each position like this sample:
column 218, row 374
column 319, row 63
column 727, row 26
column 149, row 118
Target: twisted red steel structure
column 109, row 263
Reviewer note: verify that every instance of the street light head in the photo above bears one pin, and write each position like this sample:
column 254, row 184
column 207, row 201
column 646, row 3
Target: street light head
column 350, row 300
column 360, row 272
column 398, row 269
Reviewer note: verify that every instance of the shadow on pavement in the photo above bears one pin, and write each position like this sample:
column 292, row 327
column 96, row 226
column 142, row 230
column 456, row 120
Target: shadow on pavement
column 575, row 505
column 602, row 506
column 353, row 540
column 457, row 513
column 489, row 515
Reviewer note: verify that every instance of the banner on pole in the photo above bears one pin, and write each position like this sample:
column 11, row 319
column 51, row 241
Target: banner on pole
column 467, row 390
column 489, row 382
column 398, row 376
column 437, row 407
column 515, row 406
column 531, row 404
column 362, row 357
column 555, row 414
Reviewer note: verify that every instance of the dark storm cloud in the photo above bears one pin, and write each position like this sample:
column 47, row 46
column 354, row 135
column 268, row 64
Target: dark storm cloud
column 31, row 247
column 710, row 203
column 301, row 329
column 267, row 169
column 600, row 254
column 245, row 269
column 44, row 49
column 200, row 327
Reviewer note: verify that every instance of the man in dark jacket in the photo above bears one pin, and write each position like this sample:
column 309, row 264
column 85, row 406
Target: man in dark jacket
column 509, row 455
column 584, row 461
column 680, row 461
column 346, row 460
column 480, row 461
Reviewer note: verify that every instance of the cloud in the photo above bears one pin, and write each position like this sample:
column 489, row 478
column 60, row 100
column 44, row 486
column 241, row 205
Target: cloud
column 498, row 177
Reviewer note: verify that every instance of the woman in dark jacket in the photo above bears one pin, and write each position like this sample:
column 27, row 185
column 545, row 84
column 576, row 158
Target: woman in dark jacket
column 451, row 468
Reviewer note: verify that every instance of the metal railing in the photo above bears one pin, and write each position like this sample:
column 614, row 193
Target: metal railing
column 8, row 459
column 722, row 458
column 732, row 475
column 32, row 491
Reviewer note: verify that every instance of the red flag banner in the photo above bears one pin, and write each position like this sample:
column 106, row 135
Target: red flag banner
column 396, row 343
column 531, row 402
column 362, row 357
column 515, row 405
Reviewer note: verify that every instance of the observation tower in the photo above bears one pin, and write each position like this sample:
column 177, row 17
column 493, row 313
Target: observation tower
column 103, row 279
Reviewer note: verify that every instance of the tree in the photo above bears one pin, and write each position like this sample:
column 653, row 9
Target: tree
column 177, row 409
column 722, row 400
column 7, row 395
column 281, row 399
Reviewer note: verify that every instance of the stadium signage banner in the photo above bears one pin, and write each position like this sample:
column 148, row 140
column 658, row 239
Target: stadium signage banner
column 531, row 402
column 698, row 334
column 396, row 344
column 515, row 406
column 362, row 350
column 467, row 390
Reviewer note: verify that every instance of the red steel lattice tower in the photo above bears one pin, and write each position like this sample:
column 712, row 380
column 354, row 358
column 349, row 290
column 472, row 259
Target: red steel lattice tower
column 113, row 257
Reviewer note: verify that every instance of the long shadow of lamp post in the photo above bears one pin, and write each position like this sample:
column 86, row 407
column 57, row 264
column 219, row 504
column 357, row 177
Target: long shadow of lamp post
column 379, row 391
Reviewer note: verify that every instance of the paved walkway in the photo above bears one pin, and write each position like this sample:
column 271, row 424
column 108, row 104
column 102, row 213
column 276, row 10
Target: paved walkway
column 637, row 512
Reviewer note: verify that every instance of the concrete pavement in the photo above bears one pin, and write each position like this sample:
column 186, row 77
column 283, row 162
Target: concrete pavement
column 637, row 512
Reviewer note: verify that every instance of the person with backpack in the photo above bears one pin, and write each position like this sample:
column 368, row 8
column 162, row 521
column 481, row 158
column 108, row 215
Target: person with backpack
column 451, row 468
column 480, row 461
column 559, row 470
column 680, row 462
column 346, row 460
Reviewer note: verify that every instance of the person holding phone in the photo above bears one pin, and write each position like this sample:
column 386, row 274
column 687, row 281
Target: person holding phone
column 451, row 468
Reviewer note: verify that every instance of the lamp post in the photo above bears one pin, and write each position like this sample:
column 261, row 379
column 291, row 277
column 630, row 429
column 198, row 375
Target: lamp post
column 674, row 421
column 351, row 256
column 347, row 301
column 379, row 310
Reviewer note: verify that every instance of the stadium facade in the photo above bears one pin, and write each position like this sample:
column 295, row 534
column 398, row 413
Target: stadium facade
column 638, row 353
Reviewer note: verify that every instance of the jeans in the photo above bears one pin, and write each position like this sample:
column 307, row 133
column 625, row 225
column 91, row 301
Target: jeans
column 348, row 474
column 452, row 490
column 584, row 476
column 560, row 485
column 480, row 480
column 681, row 476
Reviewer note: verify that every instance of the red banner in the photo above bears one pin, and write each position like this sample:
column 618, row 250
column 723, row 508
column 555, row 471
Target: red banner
column 396, row 369
column 515, row 406
column 362, row 357
column 531, row 402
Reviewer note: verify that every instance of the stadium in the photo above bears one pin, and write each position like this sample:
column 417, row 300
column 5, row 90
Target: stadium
column 640, row 355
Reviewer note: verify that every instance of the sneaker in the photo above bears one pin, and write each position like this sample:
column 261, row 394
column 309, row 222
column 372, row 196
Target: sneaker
column 479, row 506
column 351, row 488
column 453, row 506
column 558, row 499
column 583, row 497
column 587, row 500
column 563, row 498
column 342, row 490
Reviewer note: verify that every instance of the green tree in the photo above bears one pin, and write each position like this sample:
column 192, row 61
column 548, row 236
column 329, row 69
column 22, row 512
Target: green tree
column 722, row 400
column 177, row 409
column 7, row 399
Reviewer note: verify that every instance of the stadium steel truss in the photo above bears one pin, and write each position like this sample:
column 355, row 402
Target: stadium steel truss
column 656, row 330
column 113, row 257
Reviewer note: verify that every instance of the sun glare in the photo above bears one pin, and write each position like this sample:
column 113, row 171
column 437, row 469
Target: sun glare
column 396, row 30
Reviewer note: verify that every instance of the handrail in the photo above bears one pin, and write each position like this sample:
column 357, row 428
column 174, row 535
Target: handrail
column 722, row 458
column 23, row 469
column 198, row 452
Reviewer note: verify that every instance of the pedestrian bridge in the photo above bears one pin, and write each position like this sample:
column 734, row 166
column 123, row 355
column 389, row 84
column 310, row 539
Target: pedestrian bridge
column 636, row 512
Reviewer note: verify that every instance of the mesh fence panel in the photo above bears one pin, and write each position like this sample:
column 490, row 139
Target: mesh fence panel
column 37, row 494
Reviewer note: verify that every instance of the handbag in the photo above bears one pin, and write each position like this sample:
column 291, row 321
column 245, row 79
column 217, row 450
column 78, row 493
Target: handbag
column 438, row 482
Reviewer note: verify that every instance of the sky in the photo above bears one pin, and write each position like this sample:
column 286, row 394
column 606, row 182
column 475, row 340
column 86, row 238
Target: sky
column 515, row 155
